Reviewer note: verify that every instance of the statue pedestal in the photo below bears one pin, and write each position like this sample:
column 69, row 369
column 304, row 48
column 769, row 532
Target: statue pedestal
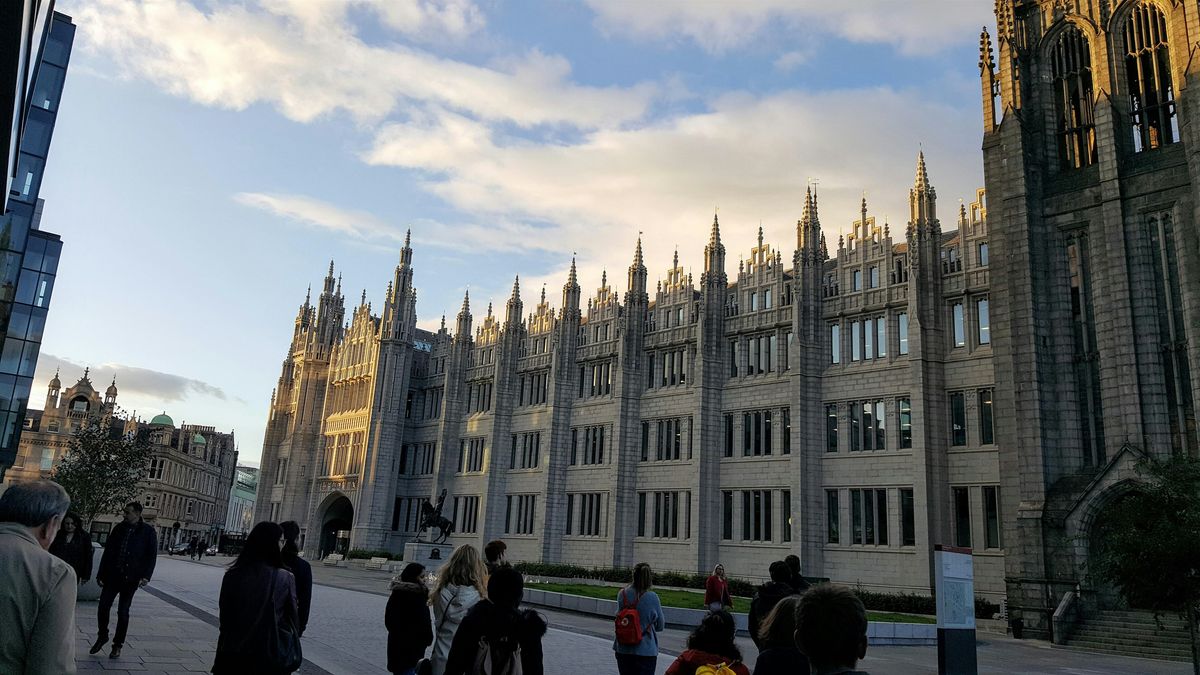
column 432, row 556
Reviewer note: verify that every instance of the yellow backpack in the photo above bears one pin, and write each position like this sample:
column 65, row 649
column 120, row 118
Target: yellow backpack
column 718, row 669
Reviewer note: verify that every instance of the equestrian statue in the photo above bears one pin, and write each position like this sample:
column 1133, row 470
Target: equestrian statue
column 431, row 517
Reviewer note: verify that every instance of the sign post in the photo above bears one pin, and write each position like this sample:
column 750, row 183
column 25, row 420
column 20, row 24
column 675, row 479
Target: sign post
column 954, row 584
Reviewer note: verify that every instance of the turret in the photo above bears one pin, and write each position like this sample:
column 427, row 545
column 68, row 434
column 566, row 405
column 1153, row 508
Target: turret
column 571, row 293
column 637, row 277
column 513, row 314
column 714, row 259
column 922, row 199
column 462, row 330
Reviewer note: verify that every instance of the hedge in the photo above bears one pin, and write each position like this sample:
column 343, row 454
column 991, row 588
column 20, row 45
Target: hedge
column 904, row 603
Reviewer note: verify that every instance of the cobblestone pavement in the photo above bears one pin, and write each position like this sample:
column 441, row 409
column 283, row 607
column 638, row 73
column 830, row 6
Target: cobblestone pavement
column 346, row 634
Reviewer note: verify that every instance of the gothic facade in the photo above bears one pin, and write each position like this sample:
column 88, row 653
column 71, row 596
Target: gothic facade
column 1092, row 160
column 834, row 403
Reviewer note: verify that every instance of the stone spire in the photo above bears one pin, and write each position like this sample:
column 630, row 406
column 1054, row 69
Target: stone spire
column 808, row 229
column 515, row 306
column 714, row 258
column 571, row 291
column 462, row 329
column 637, row 275
column 922, row 199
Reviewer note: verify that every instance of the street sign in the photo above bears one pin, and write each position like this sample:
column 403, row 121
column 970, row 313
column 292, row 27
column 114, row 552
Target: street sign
column 954, row 586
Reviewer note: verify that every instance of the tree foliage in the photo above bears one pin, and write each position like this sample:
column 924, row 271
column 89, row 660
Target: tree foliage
column 103, row 467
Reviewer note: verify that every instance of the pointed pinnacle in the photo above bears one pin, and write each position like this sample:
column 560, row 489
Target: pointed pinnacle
column 637, row 253
column 364, row 297
column 516, row 286
column 922, row 181
column 543, row 293
column 466, row 306
column 331, row 268
column 308, row 295
column 675, row 261
column 407, row 238
column 443, row 321
column 760, row 235
column 604, row 279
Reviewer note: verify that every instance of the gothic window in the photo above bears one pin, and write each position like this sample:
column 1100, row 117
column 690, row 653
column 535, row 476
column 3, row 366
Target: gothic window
column 1181, row 412
column 1071, row 68
column 1148, row 74
column 1086, row 357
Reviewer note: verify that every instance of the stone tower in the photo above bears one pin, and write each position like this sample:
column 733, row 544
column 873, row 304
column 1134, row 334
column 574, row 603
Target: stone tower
column 1092, row 159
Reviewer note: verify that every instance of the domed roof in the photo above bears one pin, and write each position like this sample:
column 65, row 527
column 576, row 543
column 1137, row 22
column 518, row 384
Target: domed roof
column 199, row 440
column 56, row 383
column 163, row 419
column 112, row 388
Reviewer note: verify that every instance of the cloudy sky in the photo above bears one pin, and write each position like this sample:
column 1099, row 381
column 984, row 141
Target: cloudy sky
column 211, row 158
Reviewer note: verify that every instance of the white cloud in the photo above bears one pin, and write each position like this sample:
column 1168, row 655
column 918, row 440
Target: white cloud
column 154, row 384
column 306, row 60
column 915, row 26
column 789, row 61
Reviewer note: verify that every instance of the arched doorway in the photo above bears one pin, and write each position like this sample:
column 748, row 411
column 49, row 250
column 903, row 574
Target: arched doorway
column 1100, row 533
column 336, row 521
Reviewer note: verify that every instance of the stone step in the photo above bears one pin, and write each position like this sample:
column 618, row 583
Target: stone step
column 1167, row 618
column 1118, row 629
column 1145, row 652
column 1134, row 640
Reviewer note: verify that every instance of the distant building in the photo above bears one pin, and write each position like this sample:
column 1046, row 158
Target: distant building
column 186, row 491
column 28, row 256
column 240, row 517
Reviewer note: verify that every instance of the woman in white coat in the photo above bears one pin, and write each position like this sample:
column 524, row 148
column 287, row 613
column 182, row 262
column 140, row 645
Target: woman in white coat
column 459, row 587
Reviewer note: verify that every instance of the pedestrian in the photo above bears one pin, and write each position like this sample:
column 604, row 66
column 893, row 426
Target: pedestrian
column 406, row 618
column 778, row 588
column 831, row 629
column 498, row 625
column 74, row 545
column 201, row 549
column 257, row 609
column 37, row 597
column 711, row 644
column 778, row 653
column 716, row 590
column 640, row 657
column 494, row 551
column 193, row 543
column 299, row 568
column 127, row 564
column 459, row 587
column 799, row 583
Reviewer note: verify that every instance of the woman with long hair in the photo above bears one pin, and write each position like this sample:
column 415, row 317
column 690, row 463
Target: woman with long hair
column 258, row 615
column 407, row 621
column 779, row 654
column 74, row 546
column 299, row 568
column 710, row 644
column 459, row 587
column 640, row 657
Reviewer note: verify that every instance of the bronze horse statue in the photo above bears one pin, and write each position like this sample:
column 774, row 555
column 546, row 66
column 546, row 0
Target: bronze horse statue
column 431, row 518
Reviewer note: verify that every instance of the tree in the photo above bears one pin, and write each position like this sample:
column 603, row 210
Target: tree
column 1149, row 545
column 103, row 467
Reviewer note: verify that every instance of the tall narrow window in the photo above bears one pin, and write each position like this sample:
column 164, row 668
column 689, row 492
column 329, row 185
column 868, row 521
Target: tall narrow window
column 832, row 517
column 904, row 413
column 868, row 420
column 733, row 358
column 986, row 432
column 786, row 511
column 880, row 426
column 831, row 428
column 1071, row 69
column 962, row 517
column 1181, row 413
column 856, row 517
column 641, row 522
column 835, row 343
column 869, row 338
column 855, row 427
column 857, row 280
column 983, row 254
column 881, row 336
column 908, row 523
column 991, row 513
column 984, row 321
column 729, row 435
column 881, row 517
column 727, row 515
column 855, row 341
column 873, row 277
column 960, row 331
column 787, row 431
column 1085, row 361
column 902, row 331
column 1148, row 73
column 958, row 419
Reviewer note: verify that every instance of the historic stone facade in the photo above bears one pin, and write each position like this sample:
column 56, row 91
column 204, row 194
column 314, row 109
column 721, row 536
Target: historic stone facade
column 186, row 489
column 1092, row 160
column 836, row 404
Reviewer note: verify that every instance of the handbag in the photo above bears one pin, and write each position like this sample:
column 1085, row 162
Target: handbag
column 282, row 651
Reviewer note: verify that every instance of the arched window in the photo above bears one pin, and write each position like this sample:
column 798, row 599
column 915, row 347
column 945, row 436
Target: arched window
column 1148, row 72
column 1071, row 67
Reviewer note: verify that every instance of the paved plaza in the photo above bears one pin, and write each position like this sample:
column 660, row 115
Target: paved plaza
column 174, row 630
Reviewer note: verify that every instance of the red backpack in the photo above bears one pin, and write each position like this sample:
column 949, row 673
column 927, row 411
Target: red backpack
column 629, row 623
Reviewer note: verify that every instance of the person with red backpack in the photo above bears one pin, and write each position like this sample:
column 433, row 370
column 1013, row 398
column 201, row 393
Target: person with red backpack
column 639, row 619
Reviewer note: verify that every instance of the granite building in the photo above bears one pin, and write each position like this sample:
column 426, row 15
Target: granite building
column 836, row 403
column 1092, row 161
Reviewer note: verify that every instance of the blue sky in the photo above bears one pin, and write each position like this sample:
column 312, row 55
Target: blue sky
column 211, row 158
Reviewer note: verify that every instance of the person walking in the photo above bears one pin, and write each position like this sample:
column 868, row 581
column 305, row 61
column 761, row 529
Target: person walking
column 193, row 543
column 831, row 629
column 494, row 552
column 127, row 564
column 778, row 653
column 711, row 644
column 459, row 587
column 406, row 618
column 200, row 549
column 37, row 597
column 257, row 610
column 498, row 625
column 640, row 657
column 799, row 583
column 716, row 590
column 770, row 593
column 74, row 546
column 299, row 568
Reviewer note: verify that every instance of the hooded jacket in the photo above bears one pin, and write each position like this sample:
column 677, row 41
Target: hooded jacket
column 450, row 607
column 768, row 595
column 497, row 624
column 690, row 660
column 409, row 626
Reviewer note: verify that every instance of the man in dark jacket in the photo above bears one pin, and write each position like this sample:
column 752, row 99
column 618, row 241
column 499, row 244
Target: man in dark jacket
column 409, row 626
column 300, row 569
column 505, row 626
column 778, row 588
column 799, row 584
column 127, row 565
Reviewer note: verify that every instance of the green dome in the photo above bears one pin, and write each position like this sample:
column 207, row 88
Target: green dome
column 199, row 440
column 163, row 419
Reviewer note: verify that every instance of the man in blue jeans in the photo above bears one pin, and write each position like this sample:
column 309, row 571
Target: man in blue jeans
column 127, row 565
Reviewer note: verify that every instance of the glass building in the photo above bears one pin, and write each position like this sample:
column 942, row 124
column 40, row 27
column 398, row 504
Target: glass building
column 29, row 256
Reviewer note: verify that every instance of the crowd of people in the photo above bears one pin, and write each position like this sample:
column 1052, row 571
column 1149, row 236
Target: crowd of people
column 470, row 621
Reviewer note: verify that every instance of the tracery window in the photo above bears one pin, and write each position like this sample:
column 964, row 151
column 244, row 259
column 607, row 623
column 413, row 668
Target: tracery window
column 1148, row 73
column 1071, row 67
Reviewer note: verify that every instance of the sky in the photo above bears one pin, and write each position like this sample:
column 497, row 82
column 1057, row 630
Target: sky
column 211, row 158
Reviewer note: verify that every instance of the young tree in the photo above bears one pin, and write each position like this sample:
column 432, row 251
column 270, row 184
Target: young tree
column 1149, row 545
column 103, row 466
